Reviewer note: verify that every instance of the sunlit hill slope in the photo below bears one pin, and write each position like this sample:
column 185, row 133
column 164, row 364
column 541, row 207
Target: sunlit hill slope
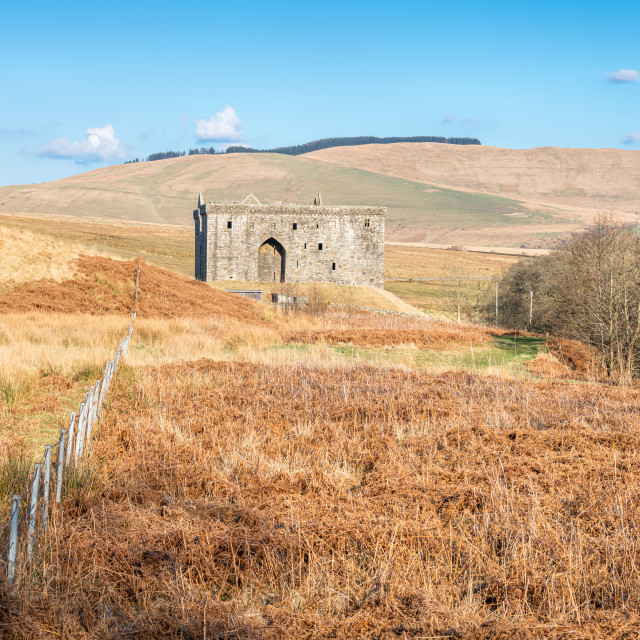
column 434, row 192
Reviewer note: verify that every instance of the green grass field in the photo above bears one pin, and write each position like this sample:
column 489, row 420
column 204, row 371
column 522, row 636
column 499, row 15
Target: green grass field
column 507, row 353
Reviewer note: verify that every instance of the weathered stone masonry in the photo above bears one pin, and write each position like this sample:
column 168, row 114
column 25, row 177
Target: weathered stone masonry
column 289, row 243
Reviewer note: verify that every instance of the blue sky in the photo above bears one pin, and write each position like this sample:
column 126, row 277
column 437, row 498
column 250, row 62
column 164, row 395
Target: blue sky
column 84, row 85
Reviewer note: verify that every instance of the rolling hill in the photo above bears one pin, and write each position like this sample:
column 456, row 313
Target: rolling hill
column 583, row 178
column 434, row 193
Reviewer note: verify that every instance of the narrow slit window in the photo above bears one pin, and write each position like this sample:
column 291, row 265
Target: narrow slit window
column 317, row 226
column 333, row 266
column 305, row 245
column 229, row 224
column 252, row 225
column 296, row 264
column 367, row 223
column 295, row 226
column 319, row 246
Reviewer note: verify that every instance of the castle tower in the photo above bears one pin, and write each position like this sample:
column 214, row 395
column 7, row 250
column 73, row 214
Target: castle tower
column 257, row 242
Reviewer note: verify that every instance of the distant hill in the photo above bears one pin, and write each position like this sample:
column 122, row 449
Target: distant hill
column 594, row 179
column 308, row 147
column 435, row 193
column 329, row 143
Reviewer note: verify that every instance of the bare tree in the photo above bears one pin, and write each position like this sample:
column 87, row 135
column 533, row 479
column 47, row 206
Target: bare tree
column 588, row 290
column 598, row 298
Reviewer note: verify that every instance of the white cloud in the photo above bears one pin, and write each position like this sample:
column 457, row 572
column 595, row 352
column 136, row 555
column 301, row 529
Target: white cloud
column 631, row 138
column 624, row 75
column 101, row 145
column 448, row 119
column 224, row 126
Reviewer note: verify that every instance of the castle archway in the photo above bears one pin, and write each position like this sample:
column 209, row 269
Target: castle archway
column 271, row 261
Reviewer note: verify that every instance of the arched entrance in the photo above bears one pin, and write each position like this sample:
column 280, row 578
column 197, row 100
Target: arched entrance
column 271, row 261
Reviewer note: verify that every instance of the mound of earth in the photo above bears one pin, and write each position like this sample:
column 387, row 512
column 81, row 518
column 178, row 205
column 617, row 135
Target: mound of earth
column 105, row 286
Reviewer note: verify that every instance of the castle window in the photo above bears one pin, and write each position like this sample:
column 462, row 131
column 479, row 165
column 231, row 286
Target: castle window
column 295, row 226
column 296, row 264
column 274, row 225
column 317, row 226
column 319, row 246
column 333, row 266
column 367, row 223
column 305, row 245
column 252, row 225
column 229, row 224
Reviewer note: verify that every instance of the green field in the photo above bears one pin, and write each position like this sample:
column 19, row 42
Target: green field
column 508, row 353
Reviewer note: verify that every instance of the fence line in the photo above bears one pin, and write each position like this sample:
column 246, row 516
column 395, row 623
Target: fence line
column 88, row 416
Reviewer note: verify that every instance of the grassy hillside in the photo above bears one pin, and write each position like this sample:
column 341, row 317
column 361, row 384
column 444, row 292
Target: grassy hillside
column 589, row 179
column 166, row 192
column 55, row 240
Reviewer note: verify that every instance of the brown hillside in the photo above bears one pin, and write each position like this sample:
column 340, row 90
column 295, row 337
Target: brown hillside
column 591, row 178
column 105, row 286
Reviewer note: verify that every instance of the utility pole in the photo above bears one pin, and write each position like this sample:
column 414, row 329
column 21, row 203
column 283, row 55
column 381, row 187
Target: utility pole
column 530, row 309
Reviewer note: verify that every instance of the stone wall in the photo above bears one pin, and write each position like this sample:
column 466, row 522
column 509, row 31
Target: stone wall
column 290, row 243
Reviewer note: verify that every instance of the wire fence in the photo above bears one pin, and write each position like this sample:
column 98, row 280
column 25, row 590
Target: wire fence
column 74, row 443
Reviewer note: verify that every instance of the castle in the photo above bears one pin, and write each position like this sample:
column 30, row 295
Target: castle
column 289, row 242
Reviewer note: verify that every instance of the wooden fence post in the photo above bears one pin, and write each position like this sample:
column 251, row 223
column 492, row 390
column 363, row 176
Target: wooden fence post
column 13, row 540
column 103, row 384
column 80, row 433
column 33, row 506
column 60, row 466
column 45, row 485
column 92, row 412
column 72, row 421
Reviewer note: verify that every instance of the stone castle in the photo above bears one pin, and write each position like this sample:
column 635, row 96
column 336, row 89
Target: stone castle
column 289, row 242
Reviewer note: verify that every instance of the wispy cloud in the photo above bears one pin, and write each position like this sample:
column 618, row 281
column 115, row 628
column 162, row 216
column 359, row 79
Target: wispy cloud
column 631, row 138
column 451, row 119
column 101, row 145
column 224, row 126
column 145, row 134
column 624, row 75
column 16, row 131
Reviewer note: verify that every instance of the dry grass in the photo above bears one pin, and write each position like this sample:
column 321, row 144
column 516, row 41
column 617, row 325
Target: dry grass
column 241, row 500
column 294, row 491
column 420, row 262
column 582, row 180
column 27, row 257
column 322, row 293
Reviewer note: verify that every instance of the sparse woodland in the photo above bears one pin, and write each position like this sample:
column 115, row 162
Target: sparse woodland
column 588, row 290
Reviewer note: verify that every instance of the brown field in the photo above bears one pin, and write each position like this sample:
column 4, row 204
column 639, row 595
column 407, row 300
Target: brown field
column 420, row 262
column 244, row 500
column 261, row 473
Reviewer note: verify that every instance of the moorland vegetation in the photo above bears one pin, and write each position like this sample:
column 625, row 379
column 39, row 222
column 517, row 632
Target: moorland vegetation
column 335, row 474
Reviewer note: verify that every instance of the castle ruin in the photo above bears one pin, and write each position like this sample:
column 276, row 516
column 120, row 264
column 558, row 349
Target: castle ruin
column 259, row 242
